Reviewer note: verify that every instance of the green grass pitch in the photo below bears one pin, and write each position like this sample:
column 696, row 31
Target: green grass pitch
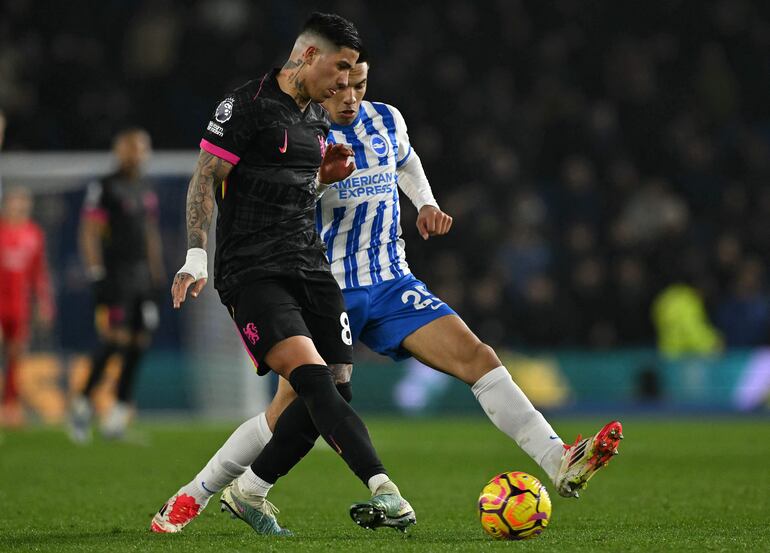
column 692, row 485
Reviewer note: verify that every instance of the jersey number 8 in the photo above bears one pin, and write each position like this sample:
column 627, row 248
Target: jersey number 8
column 347, row 335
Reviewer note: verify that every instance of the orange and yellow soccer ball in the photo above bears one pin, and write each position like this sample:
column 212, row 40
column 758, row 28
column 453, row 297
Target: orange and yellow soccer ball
column 514, row 506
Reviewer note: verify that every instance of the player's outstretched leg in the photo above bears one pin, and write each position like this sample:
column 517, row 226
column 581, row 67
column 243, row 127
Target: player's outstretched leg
column 581, row 460
column 449, row 345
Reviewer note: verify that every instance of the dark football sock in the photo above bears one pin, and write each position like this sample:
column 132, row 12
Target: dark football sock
column 293, row 437
column 127, row 379
column 98, row 364
column 335, row 420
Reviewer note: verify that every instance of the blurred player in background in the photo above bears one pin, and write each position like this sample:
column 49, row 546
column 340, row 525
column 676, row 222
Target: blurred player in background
column 2, row 138
column 393, row 312
column 262, row 160
column 121, row 250
column 23, row 275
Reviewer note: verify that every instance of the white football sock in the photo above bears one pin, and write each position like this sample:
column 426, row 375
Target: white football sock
column 376, row 481
column 233, row 458
column 512, row 412
column 249, row 484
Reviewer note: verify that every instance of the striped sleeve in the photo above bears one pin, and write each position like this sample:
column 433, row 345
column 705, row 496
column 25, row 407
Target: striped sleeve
column 402, row 137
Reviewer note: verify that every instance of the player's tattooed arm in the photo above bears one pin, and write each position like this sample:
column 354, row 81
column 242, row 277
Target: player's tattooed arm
column 209, row 175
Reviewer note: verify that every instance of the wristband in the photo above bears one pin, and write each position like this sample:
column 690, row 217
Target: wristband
column 196, row 264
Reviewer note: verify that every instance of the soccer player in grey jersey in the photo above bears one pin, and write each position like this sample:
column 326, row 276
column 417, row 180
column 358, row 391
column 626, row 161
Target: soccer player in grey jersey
column 262, row 159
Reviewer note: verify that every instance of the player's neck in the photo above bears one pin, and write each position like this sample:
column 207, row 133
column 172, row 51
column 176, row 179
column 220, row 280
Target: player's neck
column 291, row 82
column 13, row 221
column 129, row 173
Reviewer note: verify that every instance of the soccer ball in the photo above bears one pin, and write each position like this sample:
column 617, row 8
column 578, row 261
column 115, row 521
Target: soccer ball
column 514, row 506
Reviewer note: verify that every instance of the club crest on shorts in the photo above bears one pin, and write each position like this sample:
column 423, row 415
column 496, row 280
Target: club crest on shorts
column 322, row 145
column 224, row 110
column 250, row 331
column 379, row 145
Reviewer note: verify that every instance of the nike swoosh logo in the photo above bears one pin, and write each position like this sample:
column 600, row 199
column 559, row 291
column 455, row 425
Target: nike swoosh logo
column 285, row 141
column 203, row 485
column 554, row 437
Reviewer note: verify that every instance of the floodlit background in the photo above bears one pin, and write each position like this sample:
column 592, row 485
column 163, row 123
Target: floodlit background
column 607, row 165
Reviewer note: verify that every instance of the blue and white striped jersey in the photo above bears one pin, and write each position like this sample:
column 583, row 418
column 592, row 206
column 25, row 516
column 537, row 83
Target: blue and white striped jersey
column 359, row 218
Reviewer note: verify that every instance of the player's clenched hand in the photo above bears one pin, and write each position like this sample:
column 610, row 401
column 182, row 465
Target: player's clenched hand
column 193, row 271
column 336, row 165
column 431, row 221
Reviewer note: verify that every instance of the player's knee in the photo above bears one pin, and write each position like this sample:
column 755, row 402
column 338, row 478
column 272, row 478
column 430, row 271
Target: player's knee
column 480, row 360
column 292, row 353
column 485, row 356
column 312, row 382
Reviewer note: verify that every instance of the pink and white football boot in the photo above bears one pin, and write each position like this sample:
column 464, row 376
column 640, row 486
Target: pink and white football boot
column 580, row 461
column 176, row 513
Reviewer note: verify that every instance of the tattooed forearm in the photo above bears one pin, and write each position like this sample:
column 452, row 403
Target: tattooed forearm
column 209, row 174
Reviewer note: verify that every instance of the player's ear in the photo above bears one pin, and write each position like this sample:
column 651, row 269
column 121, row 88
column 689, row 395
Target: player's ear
column 310, row 54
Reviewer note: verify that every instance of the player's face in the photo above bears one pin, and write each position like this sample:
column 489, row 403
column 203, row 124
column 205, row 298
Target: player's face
column 133, row 150
column 329, row 72
column 343, row 107
column 17, row 206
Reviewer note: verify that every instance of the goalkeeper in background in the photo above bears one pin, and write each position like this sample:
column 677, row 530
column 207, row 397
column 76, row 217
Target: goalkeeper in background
column 121, row 249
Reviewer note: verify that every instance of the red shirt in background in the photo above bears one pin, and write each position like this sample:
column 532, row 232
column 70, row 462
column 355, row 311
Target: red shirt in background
column 23, row 271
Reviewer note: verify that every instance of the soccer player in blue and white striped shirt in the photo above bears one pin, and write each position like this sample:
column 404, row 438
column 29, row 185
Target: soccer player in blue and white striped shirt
column 394, row 313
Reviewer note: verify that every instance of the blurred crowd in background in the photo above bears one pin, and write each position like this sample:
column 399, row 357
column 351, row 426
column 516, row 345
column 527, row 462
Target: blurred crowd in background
column 603, row 161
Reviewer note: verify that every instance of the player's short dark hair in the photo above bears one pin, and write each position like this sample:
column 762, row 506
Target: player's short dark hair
column 334, row 28
column 363, row 56
column 127, row 131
